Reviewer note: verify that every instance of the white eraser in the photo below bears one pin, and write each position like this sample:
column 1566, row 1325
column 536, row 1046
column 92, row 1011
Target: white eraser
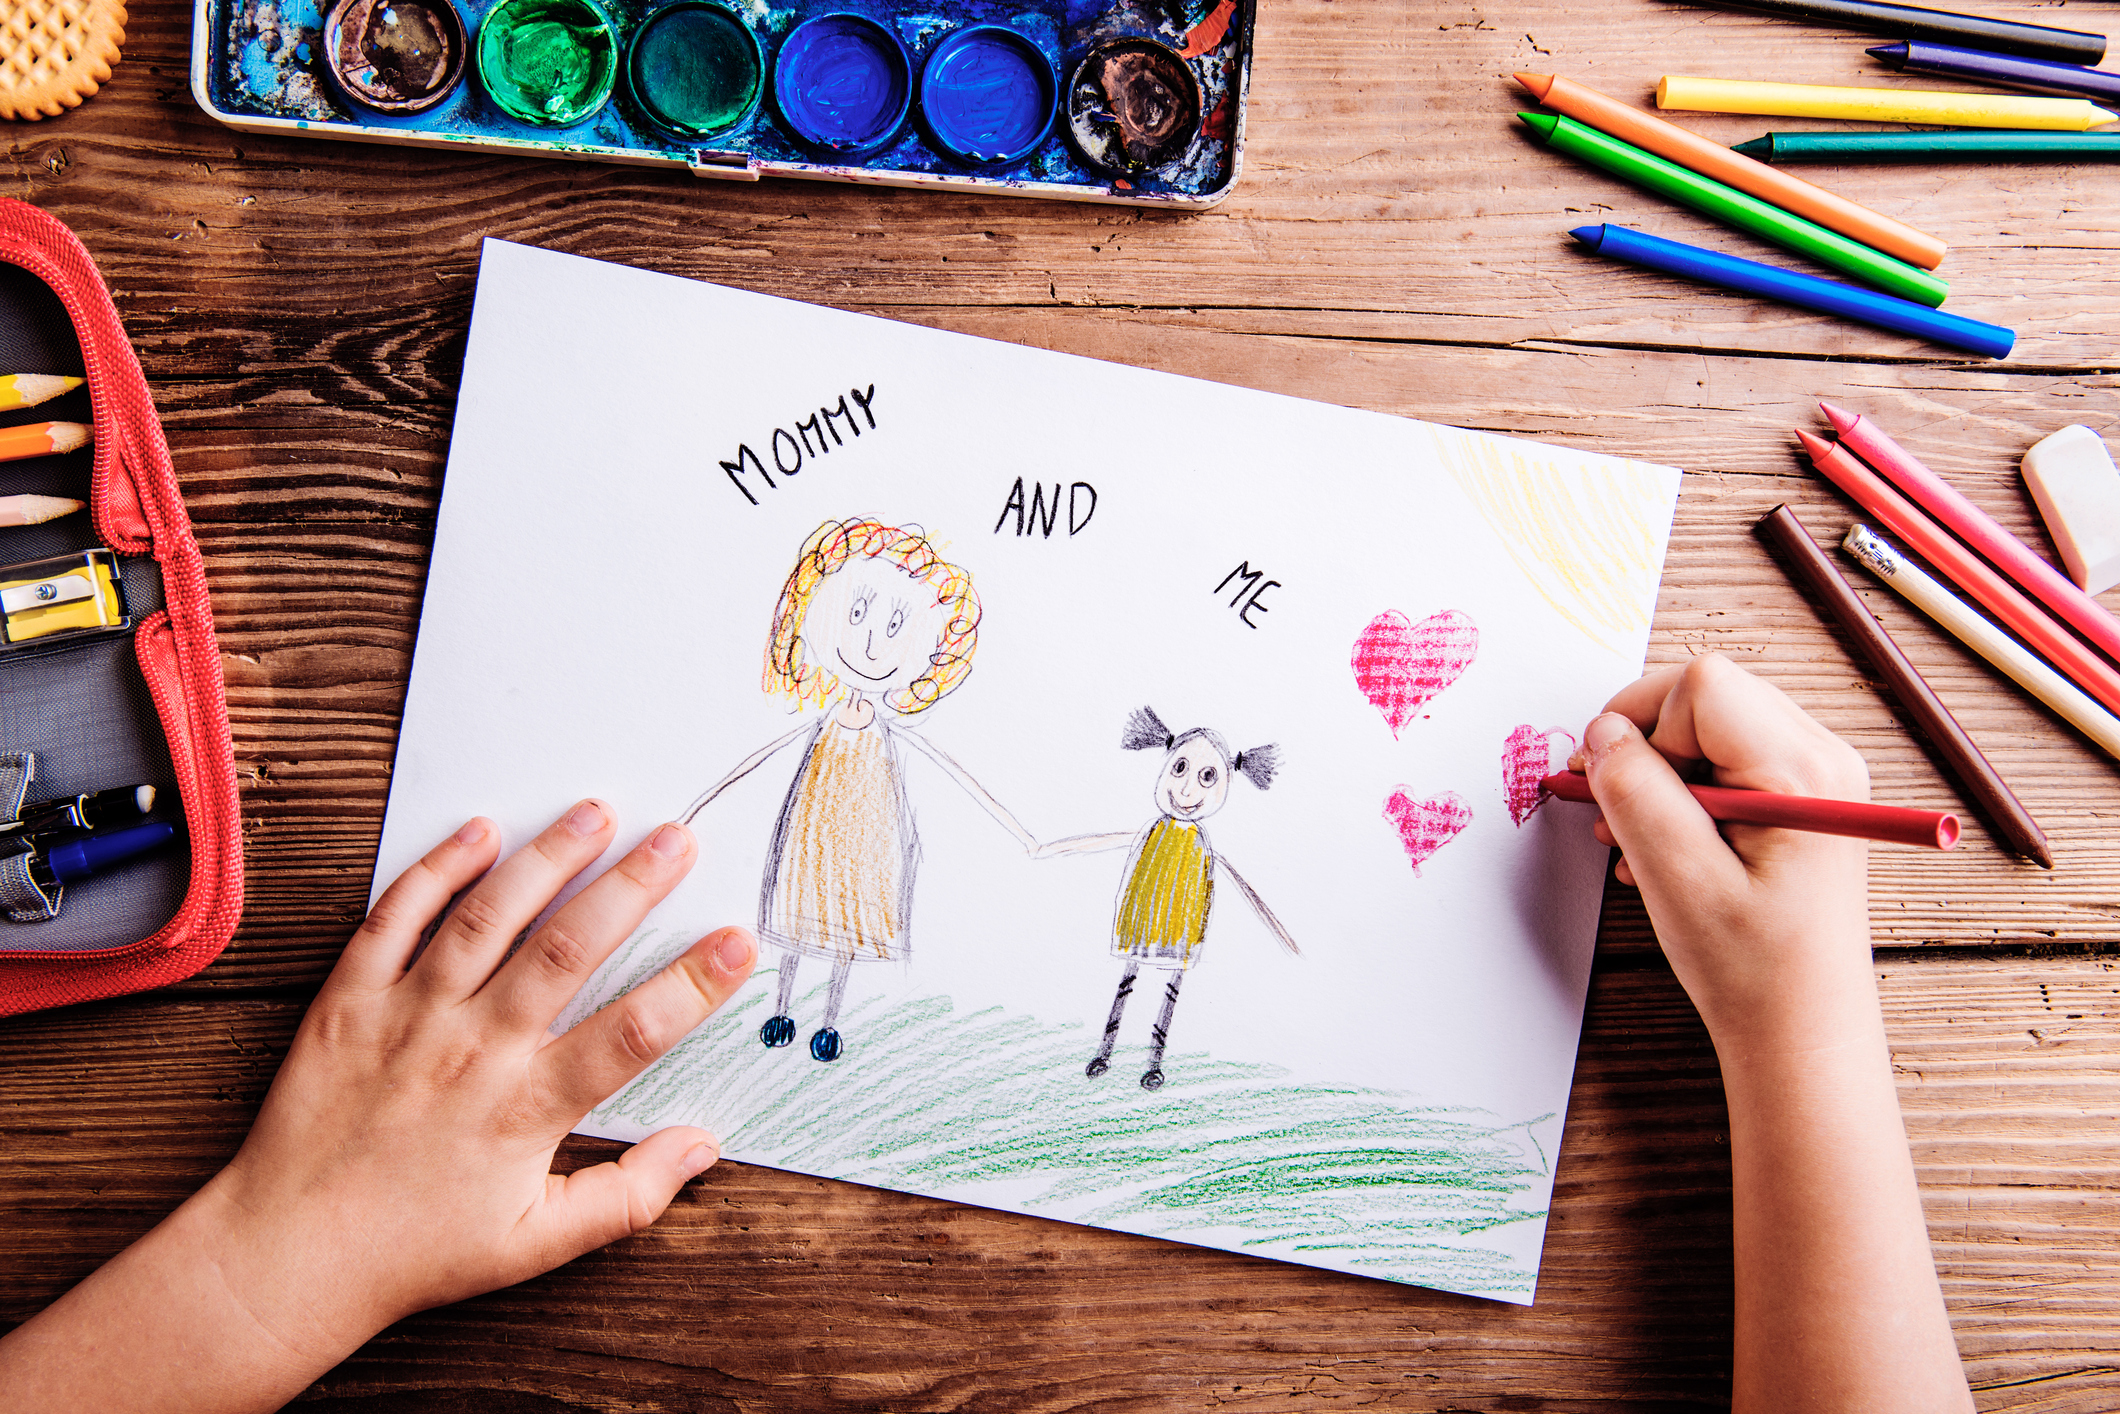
column 2072, row 477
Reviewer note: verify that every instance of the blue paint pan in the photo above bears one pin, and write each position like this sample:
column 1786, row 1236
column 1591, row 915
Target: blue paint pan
column 987, row 94
column 843, row 84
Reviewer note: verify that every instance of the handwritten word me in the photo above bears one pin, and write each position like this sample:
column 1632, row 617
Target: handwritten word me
column 1249, row 591
column 813, row 437
column 1038, row 517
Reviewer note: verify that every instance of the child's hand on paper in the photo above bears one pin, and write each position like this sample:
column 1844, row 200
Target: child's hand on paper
column 402, row 1158
column 1759, row 924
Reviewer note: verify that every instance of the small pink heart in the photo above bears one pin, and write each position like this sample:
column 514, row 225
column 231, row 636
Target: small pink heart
column 1527, row 758
column 1400, row 665
column 1425, row 826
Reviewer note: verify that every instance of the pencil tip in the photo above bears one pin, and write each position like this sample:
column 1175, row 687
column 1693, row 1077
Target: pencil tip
column 1815, row 445
column 1759, row 148
column 1591, row 236
column 2104, row 116
column 1541, row 123
column 1894, row 54
column 1843, row 420
column 1539, row 84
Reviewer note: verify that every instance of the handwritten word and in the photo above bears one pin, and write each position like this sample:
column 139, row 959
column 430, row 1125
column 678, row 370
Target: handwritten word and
column 1037, row 516
column 815, row 436
column 1250, row 590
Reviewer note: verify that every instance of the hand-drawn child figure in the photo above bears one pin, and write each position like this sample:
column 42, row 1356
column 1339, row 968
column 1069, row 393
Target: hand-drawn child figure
column 1169, row 885
column 870, row 615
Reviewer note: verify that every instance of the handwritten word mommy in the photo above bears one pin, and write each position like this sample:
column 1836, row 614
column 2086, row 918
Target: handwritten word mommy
column 814, row 436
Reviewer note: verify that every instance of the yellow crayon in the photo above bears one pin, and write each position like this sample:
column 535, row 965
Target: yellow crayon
column 26, row 390
column 1879, row 105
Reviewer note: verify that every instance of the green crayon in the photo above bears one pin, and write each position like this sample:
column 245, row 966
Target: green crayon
column 1735, row 208
column 2012, row 144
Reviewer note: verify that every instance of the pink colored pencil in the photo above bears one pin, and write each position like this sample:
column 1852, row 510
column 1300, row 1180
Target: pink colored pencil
column 1894, row 824
column 1863, row 486
column 1973, row 525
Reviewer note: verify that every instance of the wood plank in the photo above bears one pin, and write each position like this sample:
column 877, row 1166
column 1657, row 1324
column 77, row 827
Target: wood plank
column 762, row 1289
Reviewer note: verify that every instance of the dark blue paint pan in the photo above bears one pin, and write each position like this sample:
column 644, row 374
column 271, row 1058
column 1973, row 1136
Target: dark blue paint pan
column 987, row 95
column 843, row 84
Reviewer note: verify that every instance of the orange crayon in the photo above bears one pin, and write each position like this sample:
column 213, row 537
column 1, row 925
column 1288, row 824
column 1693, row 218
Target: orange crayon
column 1712, row 159
column 42, row 439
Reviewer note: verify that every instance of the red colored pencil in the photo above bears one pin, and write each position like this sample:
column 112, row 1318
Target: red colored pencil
column 1998, row 595
column 1973, row 525
column 1895, row 824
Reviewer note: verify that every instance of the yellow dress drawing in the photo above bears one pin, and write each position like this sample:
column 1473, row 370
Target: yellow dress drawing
column 1170, row 885
column 839, row 876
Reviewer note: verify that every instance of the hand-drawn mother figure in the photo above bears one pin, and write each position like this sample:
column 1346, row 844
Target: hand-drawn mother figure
column 871, row 616
column 1169, row 884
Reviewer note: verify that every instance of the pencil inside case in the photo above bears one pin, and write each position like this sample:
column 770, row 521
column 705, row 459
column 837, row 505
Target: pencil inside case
column 79, row 701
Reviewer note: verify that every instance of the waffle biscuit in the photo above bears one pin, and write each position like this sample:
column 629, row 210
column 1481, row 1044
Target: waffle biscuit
column 54, row 53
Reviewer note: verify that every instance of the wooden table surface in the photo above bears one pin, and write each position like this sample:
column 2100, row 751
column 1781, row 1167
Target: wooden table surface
column 301, row 306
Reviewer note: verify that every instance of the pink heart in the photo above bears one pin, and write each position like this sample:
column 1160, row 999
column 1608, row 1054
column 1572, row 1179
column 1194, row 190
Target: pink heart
column 1527, row 758
column 1399, row 665
column 1425, row 826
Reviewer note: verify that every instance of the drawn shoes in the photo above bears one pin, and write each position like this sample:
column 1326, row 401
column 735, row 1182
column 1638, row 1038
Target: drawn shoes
column 778, row 1031
column 824, row 1045
column 1153, row 1080
column 1097, row 1066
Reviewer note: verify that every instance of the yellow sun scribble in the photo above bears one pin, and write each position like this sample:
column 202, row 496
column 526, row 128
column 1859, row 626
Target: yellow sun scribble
column 1583, row 534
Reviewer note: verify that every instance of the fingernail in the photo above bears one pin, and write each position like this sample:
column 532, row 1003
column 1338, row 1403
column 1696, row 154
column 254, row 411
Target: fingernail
column 1604, row 733
column 472, row 832
column 698, row 1159
column 586, row 818
column 667, row 841
column 735, row 950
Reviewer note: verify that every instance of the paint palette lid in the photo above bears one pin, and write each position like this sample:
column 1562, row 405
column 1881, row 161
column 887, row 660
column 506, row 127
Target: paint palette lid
column 394, row 56
column 843, row 84
column 695, row 68
column 987, row 94
column 1133, row 105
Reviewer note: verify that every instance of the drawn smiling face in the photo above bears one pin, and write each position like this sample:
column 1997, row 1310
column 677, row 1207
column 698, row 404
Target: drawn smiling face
column 1195, row 781
column 873, row 626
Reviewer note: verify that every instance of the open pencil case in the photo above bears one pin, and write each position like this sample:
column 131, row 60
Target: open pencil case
column 121, row 698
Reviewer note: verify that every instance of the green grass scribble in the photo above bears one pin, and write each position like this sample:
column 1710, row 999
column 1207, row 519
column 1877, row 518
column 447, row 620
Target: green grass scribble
column 993, row 1108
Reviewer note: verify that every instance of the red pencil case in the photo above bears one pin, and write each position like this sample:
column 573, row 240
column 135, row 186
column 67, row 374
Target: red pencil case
column 133, row 699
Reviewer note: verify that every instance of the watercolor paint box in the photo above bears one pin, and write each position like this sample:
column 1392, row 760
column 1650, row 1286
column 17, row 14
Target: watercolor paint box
column 1132, row 101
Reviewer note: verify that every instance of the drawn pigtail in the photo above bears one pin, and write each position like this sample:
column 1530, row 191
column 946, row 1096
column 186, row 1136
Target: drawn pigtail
column 1258, row 764
column 1145, row 729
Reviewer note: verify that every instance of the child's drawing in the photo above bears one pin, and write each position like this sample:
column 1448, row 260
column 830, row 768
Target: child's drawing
column 870, row 616
column 1169, row 884
column 1399, row 665
column 1425, row 826
column 1527, row 759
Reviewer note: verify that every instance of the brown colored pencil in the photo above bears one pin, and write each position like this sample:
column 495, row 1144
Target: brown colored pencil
column 1812, row 571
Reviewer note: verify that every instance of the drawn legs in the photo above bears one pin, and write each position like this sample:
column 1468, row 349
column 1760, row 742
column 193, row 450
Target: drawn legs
column 780, row 1027
column 824, row 1044
column 1153, row 1078
column 1102, row 1061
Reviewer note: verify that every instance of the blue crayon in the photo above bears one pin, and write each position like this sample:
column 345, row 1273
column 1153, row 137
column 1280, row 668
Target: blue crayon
column 1828, row 296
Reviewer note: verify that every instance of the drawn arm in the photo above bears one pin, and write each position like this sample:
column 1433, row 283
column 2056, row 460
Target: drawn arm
column 1084, row 844
column 1258, row 905
column 743, row 768
column 972, row 788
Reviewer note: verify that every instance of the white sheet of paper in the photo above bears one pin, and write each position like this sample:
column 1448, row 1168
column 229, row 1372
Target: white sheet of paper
column 1387, row 1102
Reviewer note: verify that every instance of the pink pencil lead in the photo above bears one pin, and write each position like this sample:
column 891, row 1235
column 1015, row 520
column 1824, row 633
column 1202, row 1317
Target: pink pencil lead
column 1841, row 418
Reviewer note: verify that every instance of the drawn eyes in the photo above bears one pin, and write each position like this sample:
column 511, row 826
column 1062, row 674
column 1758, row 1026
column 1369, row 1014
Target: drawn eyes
column 897, row 622
column 1207, row 777
column 860, row 610
column 1177, row 767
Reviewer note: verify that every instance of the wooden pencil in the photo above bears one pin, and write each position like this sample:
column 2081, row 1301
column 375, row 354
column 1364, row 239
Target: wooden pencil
column 1880, row 558
column 42, row 439
column 1857, row 819
column 1982, row 784
column 26, row 390
column 35, row 510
